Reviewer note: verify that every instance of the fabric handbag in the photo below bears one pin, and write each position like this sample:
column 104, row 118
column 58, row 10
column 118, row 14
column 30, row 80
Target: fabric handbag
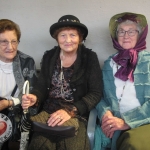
column 14, row 114
column 68, row 129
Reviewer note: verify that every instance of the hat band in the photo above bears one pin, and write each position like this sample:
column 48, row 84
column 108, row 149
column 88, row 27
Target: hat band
column 69, row 20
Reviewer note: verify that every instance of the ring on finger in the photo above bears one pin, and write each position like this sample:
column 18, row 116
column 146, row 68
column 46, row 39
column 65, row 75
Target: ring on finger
column 59, row 118
column 110, row 126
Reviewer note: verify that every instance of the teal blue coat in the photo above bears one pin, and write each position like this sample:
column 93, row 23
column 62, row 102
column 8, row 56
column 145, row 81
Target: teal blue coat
column 135, row 117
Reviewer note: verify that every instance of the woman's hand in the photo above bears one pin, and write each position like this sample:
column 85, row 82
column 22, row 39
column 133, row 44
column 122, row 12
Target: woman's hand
column 28, row 100
column 107, row 115
column 110, row 124
column 58, row 118
column 4, row 104
column 106, row 131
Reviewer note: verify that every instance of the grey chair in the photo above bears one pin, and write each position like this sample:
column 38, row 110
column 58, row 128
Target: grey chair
column 91, row 128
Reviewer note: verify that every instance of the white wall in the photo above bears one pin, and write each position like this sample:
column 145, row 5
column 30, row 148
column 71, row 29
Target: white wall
column 35, row 17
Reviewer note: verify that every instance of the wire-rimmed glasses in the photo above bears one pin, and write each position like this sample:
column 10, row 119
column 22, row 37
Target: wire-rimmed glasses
column 5, row 42
column 122, row 33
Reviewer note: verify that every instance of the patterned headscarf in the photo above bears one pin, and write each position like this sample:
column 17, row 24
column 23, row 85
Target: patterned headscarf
column 127, row 58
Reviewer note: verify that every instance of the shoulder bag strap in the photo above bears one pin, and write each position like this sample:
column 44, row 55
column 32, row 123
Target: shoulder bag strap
column 14, row 90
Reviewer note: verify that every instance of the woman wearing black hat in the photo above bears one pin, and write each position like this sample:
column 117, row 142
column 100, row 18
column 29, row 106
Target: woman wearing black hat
column 69, row 85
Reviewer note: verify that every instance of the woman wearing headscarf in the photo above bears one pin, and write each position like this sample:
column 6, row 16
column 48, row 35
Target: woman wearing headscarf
column 69, row 86
column 124, row 109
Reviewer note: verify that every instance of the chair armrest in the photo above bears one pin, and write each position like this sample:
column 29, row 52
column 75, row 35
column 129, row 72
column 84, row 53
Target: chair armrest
column 91, row 126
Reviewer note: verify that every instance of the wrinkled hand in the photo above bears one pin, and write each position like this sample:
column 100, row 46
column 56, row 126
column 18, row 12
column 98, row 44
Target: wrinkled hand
column 3, row 104
column 110, row 124
column 58, row 118
column 28, row 100
column 106, row 128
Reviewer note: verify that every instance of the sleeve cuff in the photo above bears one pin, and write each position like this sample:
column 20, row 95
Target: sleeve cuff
column 16, row 101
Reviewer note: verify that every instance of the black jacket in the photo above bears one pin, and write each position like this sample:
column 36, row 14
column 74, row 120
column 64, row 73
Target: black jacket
column 86, row 81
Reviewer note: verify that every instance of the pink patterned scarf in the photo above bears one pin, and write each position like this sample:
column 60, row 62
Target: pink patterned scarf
column 128, row 58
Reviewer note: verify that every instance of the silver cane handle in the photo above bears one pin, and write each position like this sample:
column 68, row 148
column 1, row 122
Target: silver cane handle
column 25, row 91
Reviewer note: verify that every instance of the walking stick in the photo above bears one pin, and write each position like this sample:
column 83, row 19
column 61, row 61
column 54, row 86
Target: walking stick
column 25, row 134
column 25, row 91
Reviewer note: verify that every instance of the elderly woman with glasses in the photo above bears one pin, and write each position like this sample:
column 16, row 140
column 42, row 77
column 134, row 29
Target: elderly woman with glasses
column 124, row 109
column 15, row 68
column 69, row 86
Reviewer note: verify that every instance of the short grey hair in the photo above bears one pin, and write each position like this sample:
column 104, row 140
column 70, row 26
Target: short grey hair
column 128, row 22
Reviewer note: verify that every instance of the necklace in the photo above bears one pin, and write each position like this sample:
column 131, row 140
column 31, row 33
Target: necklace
column 62, row 80
column 119, row 99
column 115, row 67
column 67, row 60
column 122, row 92
column 121, row 96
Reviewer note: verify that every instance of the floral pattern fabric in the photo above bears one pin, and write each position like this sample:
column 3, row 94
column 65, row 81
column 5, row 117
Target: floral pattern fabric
column 58, row 100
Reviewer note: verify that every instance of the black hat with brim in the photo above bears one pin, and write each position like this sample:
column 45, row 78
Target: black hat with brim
column 69, row 21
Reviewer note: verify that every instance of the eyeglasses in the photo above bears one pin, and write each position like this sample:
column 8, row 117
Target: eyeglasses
column 122, row 33
column 5, row 43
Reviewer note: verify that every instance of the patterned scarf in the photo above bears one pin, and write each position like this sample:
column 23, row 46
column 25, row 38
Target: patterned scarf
column 127, row 59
